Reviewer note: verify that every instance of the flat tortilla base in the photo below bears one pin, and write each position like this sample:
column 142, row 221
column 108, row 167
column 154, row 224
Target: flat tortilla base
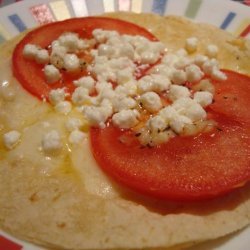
column 57, row 211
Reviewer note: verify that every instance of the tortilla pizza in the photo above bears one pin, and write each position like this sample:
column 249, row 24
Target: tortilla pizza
column 68, row 192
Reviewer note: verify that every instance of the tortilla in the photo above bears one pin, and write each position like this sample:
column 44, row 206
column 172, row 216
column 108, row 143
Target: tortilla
column 66, row 202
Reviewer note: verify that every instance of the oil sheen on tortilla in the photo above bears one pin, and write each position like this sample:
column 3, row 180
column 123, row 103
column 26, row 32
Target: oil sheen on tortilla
column 66, row 202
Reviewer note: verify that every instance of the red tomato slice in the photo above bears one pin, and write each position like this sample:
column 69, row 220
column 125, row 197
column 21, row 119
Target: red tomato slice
column 232, row 96
column 30, row 74
column 185, row 168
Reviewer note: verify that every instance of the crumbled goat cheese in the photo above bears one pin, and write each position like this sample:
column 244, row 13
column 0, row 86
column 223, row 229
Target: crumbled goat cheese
column 127, row 89
column 191, row 44
column 56, row 95
column 125, row 118
column 178, row 77
column 11, row 139
column 52, row 74
column 86, row 82
column 209, row 65
column 181, row 53
column 51, row 142
column 190, row 108
column 30, row 51
column 150, row 101
column 156, row 123
column 103, row 85
column 71, row 62
column 168, row 113
column 194, row 73
column 145, row 84
column 76, row 137
column 204, row 98
column 182, row 63
column 124, row 75
column 81, row 96
column 176, row 92
column 218, row 75
column 200, row 59
column 63, row 107
column 212, row 50
column 170, row 59
column 69, row 40
column 114, row 88
column 42, row 56
column 96, row 116
column 160, row 83
column 73, row 124
column 121, row 102
column 178, row 123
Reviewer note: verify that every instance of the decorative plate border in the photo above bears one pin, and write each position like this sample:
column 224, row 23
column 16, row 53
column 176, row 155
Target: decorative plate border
column 15, row 18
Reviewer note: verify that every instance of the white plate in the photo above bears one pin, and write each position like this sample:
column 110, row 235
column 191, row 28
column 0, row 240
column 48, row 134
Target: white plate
column 228, row 15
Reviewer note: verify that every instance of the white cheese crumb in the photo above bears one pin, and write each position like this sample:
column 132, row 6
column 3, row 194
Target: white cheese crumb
column 200, row 59
column 51, row 142
column 127, row 89
column 76, row 137
column 52, row 74
column 11, row 139
column 30, row 51
column 191, row 44
column 156, row 123
column 63, row 107
column 179, row 77
column 178, row 123
column 218, row 75
column 106, row 50
column 204, row 98
column 42, row 56
column 86, row 82
column 176, row 92
column 71, row 62
column 82, row 44
column 193, row 72
column 56, row 95
column 121, row 102
column 81, row 96
column 159, row 83
column 125, row 118
column 96, row 116
column 168, row 113
column 195, row 112
column 151, row 101
column 181, row 52
column 182, row 63
column 212, row 50
column 209, row 65
column 73, row 124
column 190, row 108
column 70, row 41
column 124, row 75
column 145, row 84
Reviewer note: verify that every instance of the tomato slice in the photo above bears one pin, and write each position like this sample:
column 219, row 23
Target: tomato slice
column 232, row 96
column 30, row 74
column 185, row 168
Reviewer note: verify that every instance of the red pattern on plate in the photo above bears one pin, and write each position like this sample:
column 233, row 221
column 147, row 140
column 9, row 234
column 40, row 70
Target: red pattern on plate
column 247, row 2
column 246, row 31
column 6, row 244
column 42, row 14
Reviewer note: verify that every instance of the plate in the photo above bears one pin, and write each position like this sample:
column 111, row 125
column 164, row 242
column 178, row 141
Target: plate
column 228, row 15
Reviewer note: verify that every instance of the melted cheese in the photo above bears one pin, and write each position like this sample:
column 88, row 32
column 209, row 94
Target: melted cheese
column 15, row 113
